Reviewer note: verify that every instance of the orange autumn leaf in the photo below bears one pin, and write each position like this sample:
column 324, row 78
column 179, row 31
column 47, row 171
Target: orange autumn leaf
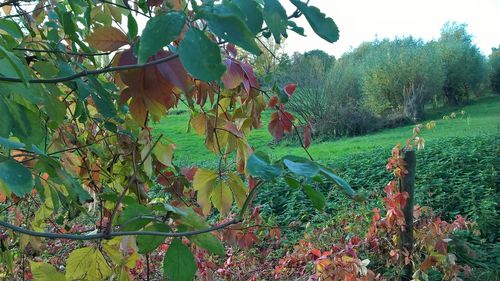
column 107, row 38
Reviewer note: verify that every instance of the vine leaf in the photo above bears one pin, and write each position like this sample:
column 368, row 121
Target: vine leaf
column 87, row 263
column 281, row 122
column 107, row 38
column 192, row 221
column 222, row 197
column 301, row 166
column 159, row 32
column 147, row 243
column 204, row 183
column 317, row 198
column 11, row 27
column 15, row 177
column 275, row 18
column 323, row 26
column 225, row 22
column 178, row 263
column 43, row 271
column 201, row 56
column 258, row 165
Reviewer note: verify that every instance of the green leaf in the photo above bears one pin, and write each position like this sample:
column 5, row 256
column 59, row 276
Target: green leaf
column 15, row 177
column 301, row 166
column 87, row 264
column 147, row 243
column 43, row 271
column 6, row 124
column 69, row 25
column 258, row 165
column 316, row 197
column 8, row 144
column 178, row 263
column 15, row 62
column 201, row 56
column 192, row 221
column 10, row 27
column 341, row 182
column 252, row 14
column 275, row 18
column 323, row 26
column 102, row 99
column 159, row 32
column 225, row 21
column 293, row 183
column 132, row 27
column 130, row 218
column 26, row 123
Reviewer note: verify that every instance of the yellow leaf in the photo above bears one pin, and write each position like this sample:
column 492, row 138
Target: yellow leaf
column 87, row 264
column 35, row 242
column 204, row 184
column 112, row 249
column 238, row 188
column 123, row 276
column 43, row 271
column 107, row 38
column 199, row 123
column 164, row 153
column 131, row 260
column 222, row 197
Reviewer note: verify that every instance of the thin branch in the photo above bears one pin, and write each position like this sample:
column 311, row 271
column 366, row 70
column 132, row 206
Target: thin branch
column 113, row 234
column 91, row 72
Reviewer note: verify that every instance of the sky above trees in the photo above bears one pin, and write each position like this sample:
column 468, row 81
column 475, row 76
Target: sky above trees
column 362, row 20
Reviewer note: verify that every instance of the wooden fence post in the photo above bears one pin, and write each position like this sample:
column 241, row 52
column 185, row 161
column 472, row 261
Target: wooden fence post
column 407, row 184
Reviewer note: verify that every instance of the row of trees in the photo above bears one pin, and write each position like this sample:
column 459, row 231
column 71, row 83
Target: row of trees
column 386, row 82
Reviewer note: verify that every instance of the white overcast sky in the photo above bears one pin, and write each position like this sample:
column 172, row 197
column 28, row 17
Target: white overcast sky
column 365, row 20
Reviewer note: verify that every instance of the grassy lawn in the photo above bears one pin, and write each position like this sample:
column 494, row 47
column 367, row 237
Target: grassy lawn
column 482, row 117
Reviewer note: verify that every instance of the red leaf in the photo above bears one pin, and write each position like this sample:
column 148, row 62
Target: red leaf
column 273, row 101
column 316, row 252
column 234, row 74
column 307, row 135
column 290, row 88
column 231, row 50
column 189, row 172
column 280, row 123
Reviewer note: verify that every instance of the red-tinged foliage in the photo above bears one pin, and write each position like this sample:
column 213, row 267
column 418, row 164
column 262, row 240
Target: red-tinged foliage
column 289, row 89
column 234, row 74
column 281, row 122
column 273, row 101
column 151, row 89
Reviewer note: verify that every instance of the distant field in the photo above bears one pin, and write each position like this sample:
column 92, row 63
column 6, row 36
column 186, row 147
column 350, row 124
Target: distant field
column 482, row 117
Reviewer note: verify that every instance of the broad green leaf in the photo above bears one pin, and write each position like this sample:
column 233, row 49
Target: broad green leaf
column 252, row 14
column 275, row 18
column 222, row 197
column 69, row 25
column 178, row 263
column 146, row 243
column 15, row 177
column 159, row 32
column 258, row 166
column 26, row 123
column 102, row 99
column 55, row 108
column 192, row 221
column 316, row 197
column 17, row 65
column 10, row 27
column 6, row 124
column 323, row 26
column 43, row 271
column 201, row 56
column 204, row 183
column 87, row 263
column 341, row 182
column 301, row 166
column 131, row 217
column 239, row 189
column 132, row 27
column 225, row 21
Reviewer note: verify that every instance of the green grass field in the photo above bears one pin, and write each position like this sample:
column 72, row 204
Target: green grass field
column 482, row 117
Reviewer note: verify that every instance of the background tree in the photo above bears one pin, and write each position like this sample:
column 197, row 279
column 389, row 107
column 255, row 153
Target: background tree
column 494, row 69
column 464, row 65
